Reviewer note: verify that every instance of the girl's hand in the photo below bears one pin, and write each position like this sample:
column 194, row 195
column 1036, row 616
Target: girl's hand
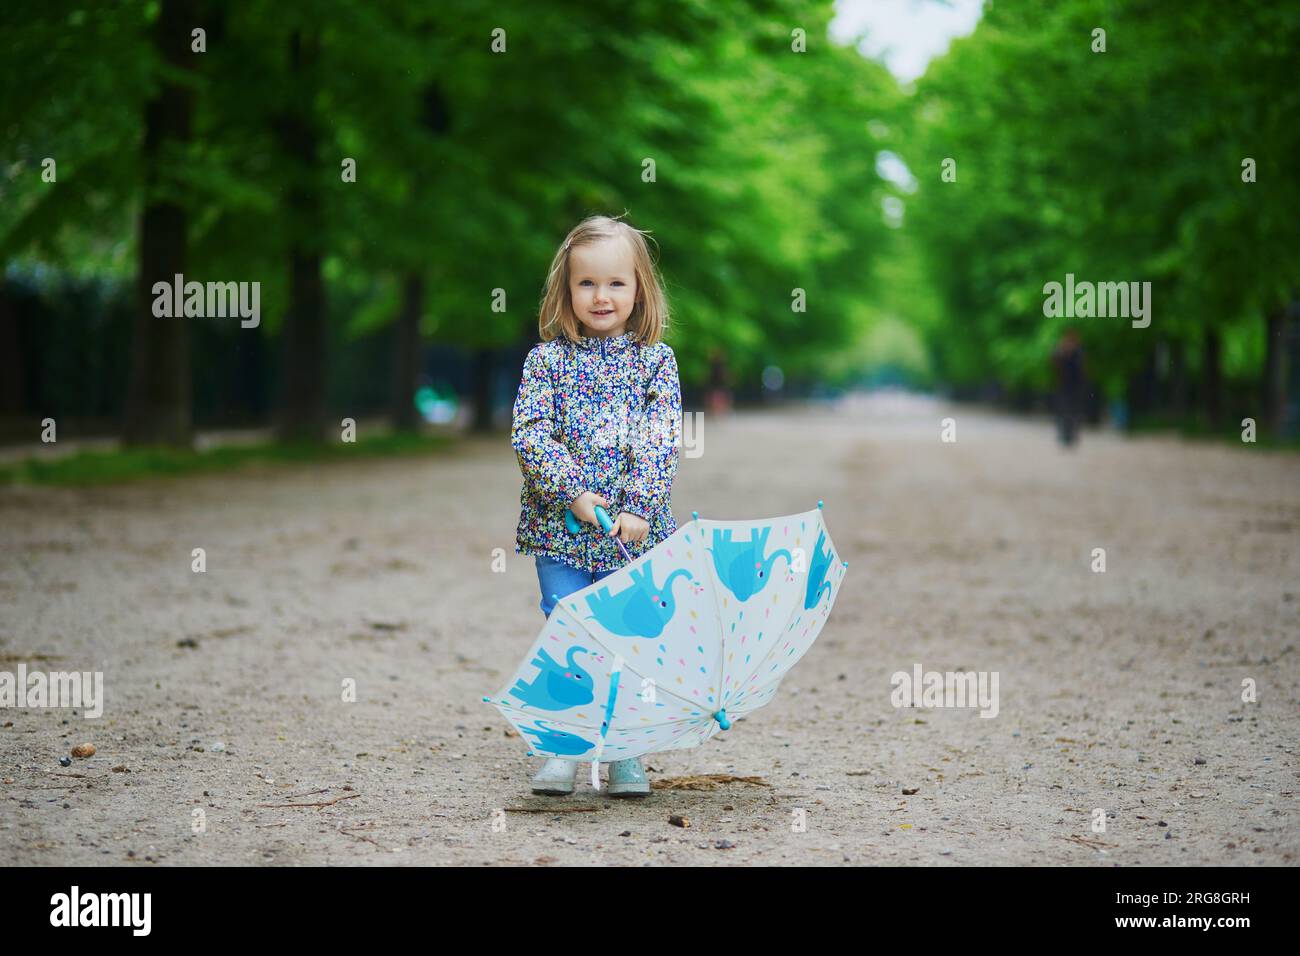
column 584, row 507
column 630, row 527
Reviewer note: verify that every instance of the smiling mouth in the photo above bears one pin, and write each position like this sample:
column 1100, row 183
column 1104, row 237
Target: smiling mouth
column 605, row 312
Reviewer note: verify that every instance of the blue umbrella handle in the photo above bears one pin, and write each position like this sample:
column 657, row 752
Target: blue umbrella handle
column 575, row 526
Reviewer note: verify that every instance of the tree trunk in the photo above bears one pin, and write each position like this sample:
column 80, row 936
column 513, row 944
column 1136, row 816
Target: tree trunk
column 302, row 380
column 482, row 390
column 248, row 385
column 1178, row 380
column 302, row 402
column 1142, row 389
column 407, row 350
column 1212, row 393
column 159, row 390
column 406, row 355
column 12, row 381
column 1273, row 399
column 1290, row 426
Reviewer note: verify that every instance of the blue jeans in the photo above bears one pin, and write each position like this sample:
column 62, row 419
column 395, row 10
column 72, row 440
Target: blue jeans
column 555, row 577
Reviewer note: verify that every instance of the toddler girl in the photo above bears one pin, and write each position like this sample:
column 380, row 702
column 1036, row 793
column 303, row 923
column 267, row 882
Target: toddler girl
column 596, row 422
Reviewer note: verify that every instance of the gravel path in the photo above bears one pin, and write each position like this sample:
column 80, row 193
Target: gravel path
column 1119, row 690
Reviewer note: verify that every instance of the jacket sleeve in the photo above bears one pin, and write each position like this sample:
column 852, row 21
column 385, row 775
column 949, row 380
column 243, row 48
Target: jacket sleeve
column 654, row 449
column 543, row 458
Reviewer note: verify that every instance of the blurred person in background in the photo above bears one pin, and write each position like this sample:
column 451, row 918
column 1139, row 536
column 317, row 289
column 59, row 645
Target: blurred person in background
column 719, row 393
column 1067, row 358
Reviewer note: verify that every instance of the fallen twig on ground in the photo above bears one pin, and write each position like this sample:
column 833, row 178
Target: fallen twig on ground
column 551, row 809
column 1083, row 841
column 706, row 781
column 326, row 803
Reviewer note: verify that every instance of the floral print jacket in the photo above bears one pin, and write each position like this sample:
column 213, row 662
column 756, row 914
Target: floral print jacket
column 602, row 415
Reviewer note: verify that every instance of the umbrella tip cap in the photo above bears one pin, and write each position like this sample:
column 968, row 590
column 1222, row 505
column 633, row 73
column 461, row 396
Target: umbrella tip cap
column 487, row 700
column 820, row 503
column 695, row 516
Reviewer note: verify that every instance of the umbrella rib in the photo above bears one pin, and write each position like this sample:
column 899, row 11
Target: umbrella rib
column 671, row 723
column 768, row 655
column 764, row 684
column 578, row 725
column 772, row 649
column 627, row 661
column 716, row 589
column 682, row 700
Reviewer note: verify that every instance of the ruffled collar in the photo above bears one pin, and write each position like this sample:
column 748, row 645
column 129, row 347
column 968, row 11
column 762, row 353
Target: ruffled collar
column 613, row 344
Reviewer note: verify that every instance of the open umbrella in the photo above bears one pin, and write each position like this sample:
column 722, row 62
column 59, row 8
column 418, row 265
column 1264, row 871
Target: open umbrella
column 674, row 646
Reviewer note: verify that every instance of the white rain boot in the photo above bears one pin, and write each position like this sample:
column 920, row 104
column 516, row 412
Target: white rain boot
column 627, row 779
column 556, row 777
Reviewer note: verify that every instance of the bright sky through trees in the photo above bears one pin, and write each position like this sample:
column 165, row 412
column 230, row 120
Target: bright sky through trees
column 904, row 34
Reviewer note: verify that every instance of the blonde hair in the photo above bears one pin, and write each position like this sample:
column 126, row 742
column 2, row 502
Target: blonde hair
column 649, row 319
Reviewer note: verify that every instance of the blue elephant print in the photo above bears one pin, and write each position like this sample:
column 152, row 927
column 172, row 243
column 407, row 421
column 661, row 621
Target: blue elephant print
column 740, row 565
column 558, row 742
column 557, row 686
column 639, row 610
column 817, row 568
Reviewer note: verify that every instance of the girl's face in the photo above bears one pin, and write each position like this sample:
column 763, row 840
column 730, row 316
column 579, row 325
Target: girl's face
column 602, row 287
